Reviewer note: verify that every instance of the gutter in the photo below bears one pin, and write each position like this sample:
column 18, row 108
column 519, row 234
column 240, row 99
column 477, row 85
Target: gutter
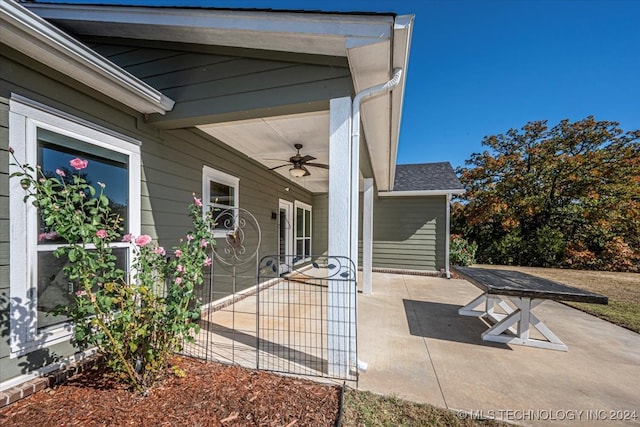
column 30, row 34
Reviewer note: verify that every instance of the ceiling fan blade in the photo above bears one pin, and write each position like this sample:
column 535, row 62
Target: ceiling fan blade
column 317, row 165
column 307, row 158
column 306, row 171
column 281, row 166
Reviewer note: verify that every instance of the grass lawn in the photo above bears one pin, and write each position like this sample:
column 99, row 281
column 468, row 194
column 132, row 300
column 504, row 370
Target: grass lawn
column 362, row 408
column 623, row 290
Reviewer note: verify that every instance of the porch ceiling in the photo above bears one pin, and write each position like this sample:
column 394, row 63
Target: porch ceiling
column 270, row 141
column 374, row 46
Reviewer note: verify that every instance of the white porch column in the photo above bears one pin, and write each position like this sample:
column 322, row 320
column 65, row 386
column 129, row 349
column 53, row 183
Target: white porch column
column 339, row 230
column 367, row 236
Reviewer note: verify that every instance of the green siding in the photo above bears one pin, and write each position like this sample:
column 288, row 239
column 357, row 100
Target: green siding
column 171, row 171
column 207, row 84
column 409, row 233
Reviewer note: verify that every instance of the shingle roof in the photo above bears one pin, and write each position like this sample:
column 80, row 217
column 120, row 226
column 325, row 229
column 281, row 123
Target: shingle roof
column 426, row 177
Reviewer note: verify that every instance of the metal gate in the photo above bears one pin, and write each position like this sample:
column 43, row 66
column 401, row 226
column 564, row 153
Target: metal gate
column 277, row 313
column 307, row 316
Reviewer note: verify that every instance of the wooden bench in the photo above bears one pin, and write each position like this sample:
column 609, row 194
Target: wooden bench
column 525, row 292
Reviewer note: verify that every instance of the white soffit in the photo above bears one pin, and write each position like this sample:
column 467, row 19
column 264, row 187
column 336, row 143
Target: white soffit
column 38, row 39
column 312, row 33
column 271, row 140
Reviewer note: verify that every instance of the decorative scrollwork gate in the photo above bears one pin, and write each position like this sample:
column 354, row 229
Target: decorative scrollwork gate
column 293, row 316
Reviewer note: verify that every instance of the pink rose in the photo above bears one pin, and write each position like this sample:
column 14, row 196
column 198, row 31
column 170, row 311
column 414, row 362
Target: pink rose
column 60, row 172
column 101, row 233
column 78, row 163
column 81, row 293
column 143, row 240
column 178, row 280
column 178, row 253
column 197, row 201
column 207, row 262
column 127, row 237
column 159, row 251
column 181, row 268
column 204, row 243
column 189, row 237
column 42, row 237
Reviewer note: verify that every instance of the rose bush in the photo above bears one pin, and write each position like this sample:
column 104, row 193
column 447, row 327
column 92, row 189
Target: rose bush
column 136, row 319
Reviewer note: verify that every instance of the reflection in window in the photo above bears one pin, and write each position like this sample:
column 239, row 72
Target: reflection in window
column 55, row 289
column 55, row 151
column 220, row 193
column 303, row 232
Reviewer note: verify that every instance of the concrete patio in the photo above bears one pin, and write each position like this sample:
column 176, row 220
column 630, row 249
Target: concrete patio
column 419, row 348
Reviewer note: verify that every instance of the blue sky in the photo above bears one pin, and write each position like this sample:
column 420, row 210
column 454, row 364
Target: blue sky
column 481, row 67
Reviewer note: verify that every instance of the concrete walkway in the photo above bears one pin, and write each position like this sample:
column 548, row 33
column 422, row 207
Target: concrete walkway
column 418, row 348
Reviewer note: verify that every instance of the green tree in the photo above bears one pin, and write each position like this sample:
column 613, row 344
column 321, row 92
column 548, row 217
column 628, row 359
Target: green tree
column 569, row 195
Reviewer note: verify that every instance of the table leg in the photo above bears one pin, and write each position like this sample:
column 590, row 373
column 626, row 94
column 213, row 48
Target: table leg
column 523, row 316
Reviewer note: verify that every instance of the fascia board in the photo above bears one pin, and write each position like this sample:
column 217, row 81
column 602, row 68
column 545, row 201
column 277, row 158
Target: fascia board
column 28, row 33
column 314, row 33
column 402, row 34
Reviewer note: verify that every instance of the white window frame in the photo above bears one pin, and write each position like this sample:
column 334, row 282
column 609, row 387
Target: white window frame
column 210, row 174
column 25, row 118
column 297, row 204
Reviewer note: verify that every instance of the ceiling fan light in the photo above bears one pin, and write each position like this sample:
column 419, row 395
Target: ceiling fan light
column 297, row 172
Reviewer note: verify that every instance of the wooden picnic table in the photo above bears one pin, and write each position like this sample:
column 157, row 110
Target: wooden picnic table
column 524, row 292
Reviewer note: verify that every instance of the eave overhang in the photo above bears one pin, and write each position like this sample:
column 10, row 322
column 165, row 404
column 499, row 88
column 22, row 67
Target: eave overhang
column 28, row 33
column 374, row 46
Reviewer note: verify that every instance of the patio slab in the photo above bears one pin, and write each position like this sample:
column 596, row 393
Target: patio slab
column 418, row 348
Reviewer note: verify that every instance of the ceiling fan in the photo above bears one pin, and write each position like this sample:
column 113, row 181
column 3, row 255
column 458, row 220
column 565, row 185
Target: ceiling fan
column 300, row 164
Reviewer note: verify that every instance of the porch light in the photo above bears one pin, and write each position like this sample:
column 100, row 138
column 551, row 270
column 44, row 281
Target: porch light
column 297, row 172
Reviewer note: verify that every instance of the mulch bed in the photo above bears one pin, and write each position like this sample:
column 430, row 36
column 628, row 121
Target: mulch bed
column 210, row 394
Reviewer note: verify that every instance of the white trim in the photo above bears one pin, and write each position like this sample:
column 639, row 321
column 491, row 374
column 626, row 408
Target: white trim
column 24, row 121
column 28, row 33
column 305, row 207
column 210, row 174
column 367, row 236
column 288, row 207
column 420, row 193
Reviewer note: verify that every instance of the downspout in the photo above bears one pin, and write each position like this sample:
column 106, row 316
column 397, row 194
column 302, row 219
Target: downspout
column 355, row 176
column 355, row 109
column 355, row 150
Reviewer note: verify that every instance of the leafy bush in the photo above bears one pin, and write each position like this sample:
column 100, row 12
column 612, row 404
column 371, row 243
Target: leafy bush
column 461, row 252
column 136, row 319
